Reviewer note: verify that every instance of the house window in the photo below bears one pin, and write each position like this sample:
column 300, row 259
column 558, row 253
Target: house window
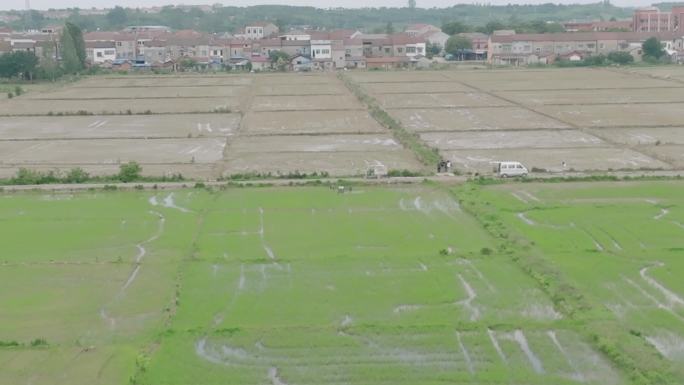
column 325, row 51
column 118, row 44
column 99, row 54
column 387, row 50
column 419, row 49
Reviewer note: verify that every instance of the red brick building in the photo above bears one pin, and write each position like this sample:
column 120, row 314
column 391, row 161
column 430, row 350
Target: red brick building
column 651, row 19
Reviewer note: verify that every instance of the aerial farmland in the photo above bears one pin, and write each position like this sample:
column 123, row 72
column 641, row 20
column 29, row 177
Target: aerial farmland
column 334, row 279
column 213, row 126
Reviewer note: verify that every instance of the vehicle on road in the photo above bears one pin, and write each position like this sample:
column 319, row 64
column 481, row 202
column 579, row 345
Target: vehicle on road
column 510, row 169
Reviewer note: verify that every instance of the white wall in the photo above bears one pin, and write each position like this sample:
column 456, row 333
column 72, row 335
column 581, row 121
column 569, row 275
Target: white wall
column 321, row 49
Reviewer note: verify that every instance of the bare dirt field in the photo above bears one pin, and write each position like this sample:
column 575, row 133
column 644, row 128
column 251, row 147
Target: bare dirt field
column 445, row 86
column 336, row 163
column 20, row 106
column 504, row 118
column 139, row 92
column 166, row 81
column 296, row 89
column 668, row 72
column 305, row 103
column 672, row 153
column 510, row 139
column 628, row 115
column 598, row 96
column 555, row 79
column 577, row 159
column 399, row 77
column 642, row 135
column 440, row 100
column 301, row 122
column 111, row 151
column 216, row 125
column 138, row 126
column 541, row 116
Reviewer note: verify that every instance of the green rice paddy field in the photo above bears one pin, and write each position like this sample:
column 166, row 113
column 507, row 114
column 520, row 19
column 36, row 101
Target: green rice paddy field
column 517, row 283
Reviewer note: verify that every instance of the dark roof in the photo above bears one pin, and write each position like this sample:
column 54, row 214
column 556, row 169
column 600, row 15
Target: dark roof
column 23, row 45
column 100, row 44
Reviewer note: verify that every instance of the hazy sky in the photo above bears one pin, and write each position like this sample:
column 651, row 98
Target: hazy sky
column 45, row 4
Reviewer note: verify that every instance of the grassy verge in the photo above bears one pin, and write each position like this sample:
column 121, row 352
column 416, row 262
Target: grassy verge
column 627, row 349
column 427, row 155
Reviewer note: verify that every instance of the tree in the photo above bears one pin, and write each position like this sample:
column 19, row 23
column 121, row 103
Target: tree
column 620, row 57
column 454, row 27
column 129, row 172
column 492, row 26
column 70, row 61
column 653, row 48
column 279, row 59
column 457, row 43
column 187, row 63
column 73, row 48
column 596, row 60
column 117, row 17
column 79, row 43
column 432, row 49
column 389, row 28
column 412, row 4
column 18, row 64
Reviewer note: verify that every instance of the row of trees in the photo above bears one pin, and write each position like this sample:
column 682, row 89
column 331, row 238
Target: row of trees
column 26, row 65
column 230, row 18
column 530, row 26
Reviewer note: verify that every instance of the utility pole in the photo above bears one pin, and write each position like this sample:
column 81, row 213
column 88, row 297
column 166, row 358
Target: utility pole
column 27, row 16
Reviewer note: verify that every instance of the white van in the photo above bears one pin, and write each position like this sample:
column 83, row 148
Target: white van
column 506, row 169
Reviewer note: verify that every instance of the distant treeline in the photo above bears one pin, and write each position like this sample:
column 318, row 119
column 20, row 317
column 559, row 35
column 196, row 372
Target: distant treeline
column 232, row 19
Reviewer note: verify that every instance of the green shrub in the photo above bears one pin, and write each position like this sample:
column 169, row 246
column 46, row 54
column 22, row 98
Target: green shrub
column 619, row 57
column 76, row 175
column 129, row 172
column 39, row 342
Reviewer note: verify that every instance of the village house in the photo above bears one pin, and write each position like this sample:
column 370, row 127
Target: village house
column 300, row 63
column 521, row 49
column 124, row 43
column 480, row 43
column 323, row 50
column 651, row 19
column 99, row 52
column 598, row 26
column 415, row 30
column 295, row 35
column 260, row 30
column 260, row 63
